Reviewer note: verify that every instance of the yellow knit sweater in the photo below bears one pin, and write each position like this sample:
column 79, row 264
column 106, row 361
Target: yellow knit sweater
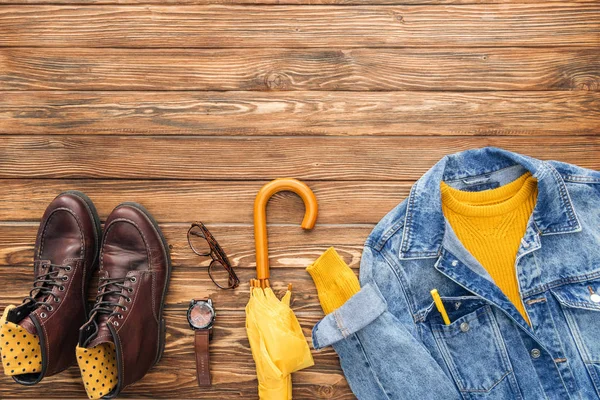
column 334, row 279
column 490, row 224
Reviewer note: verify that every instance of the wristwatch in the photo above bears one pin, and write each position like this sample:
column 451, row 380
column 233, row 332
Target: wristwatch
column 201, row 317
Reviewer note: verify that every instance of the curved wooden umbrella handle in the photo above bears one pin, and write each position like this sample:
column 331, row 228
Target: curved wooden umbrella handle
column 260, row 218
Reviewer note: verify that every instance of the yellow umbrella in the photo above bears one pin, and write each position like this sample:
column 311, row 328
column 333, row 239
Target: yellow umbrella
column 276, row 339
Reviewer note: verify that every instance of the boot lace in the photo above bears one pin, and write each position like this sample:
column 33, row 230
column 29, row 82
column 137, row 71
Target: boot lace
column 44, row 283
column 111, row 286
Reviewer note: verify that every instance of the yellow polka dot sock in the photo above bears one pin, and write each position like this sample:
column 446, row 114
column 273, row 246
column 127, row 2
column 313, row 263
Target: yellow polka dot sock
column 21, row 353
column 98, row 367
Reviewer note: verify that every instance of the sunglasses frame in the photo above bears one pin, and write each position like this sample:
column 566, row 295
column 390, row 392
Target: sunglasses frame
column 216, row 253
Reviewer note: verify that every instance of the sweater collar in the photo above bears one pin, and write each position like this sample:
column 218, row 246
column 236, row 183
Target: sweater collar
column 474, row 170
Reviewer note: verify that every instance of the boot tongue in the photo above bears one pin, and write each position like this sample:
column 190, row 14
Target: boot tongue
column 93, row 333
column 40, row 267
column 104, row 336
column 109, row 297
column 28, row 325
column 97, row 329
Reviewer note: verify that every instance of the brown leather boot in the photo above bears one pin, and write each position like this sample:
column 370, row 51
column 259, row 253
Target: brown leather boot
column 40, row 335
column 126, row 322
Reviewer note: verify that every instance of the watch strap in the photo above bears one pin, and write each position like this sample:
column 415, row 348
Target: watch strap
column 202, row 338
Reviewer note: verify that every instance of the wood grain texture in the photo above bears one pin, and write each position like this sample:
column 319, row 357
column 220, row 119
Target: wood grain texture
column 289, row 246
column 219, row 202
column 195, row 281
column 190, row 106
column 260, row 158
column 460, row 69
column 217, row 26
column 300, row 113
column 232, row 368
column 279, row 2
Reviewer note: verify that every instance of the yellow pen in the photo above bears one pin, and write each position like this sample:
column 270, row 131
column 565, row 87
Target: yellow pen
column 440, row 306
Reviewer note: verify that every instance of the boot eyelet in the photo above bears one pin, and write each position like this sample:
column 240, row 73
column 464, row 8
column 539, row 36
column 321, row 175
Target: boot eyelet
column 43, row 315
column 57, row 299
column 116, row 323
column 120, row 316
column 65, row 278
column 129, row 290
column 61, row 288
column 49, row 308
column 125, row 308
column 133, row 279
column 68, row 268
column 128, row 299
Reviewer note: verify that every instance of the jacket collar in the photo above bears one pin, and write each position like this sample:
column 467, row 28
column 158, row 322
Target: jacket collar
column 424, row 226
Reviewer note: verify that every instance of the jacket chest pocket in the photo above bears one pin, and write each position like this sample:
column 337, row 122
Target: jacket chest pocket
column 475, row 354
column 580, row 303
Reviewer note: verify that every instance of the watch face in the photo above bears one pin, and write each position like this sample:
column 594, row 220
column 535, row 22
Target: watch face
column 201, row 315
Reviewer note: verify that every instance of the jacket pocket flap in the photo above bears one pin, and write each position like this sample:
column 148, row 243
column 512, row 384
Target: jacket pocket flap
column 579, row 295
column 356, row 313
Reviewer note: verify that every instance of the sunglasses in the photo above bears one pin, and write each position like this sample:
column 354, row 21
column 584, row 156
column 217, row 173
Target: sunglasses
column 204, row 244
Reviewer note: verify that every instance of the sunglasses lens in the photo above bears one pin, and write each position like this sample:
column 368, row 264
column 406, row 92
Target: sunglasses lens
column 219, row 275
column 198, row 242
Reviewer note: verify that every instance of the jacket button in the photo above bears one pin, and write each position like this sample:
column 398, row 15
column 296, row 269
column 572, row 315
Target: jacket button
column 464, row 326
column 595, row 298
column 536, row 353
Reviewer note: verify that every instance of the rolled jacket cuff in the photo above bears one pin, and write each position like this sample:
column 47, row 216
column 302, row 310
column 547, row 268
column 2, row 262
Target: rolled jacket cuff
column 356, row 313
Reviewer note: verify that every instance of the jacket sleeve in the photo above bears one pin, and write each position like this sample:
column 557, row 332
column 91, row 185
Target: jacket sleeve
column 380, row 354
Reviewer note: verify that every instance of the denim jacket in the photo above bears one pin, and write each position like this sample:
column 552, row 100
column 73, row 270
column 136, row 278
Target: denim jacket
column 391, row 339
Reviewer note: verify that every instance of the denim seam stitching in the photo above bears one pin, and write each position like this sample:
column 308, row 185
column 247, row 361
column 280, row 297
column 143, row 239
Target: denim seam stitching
column 560, row 282
column 362, row 348
column 565, row 200
column 581, row 348
column 580, row 179
column 562, row 349
column 503, row 350
column 340, row 325
column 403, row 286
column 408, row 219
column 451, row 365
column 387, row 235
column 477, row 312
column 578, row 337
column 491, row 171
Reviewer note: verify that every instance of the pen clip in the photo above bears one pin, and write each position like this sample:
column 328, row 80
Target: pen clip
column 440, row 306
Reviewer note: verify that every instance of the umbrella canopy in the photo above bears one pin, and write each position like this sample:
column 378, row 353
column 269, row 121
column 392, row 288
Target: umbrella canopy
column 277, row 342
column 276, row 338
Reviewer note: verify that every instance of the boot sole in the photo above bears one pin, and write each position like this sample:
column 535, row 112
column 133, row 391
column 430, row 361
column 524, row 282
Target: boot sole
column 162, row 327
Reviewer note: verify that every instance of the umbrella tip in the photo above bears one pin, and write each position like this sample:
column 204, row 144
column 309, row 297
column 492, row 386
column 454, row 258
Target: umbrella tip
column 290, row 287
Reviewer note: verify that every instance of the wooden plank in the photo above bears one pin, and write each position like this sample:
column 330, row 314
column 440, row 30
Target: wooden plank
column 301, row 69
column 188, row 281
column 212, row 202
column 278, row 2
column 289, row 246
column 300, row 113
column 232, row 368
column 260, row 158
column 219, row 26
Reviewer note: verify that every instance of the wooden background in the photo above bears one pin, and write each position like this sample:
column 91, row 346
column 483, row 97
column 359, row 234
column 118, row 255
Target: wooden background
column 189, row 106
